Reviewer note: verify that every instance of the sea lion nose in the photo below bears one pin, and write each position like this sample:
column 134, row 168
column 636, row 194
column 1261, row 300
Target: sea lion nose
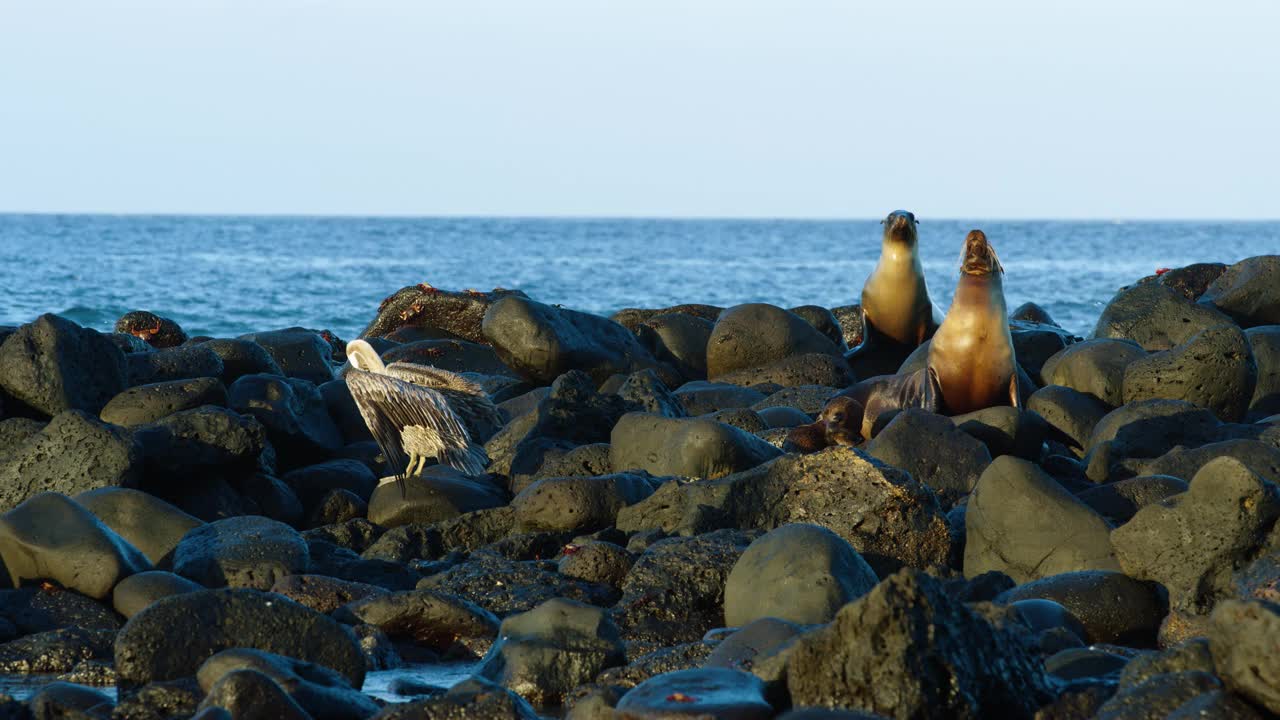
column 900, row 221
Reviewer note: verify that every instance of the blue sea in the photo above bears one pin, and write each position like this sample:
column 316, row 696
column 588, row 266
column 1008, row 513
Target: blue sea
column 227, row 275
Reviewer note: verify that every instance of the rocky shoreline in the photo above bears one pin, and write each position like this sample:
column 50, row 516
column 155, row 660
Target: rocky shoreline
column 200, row 523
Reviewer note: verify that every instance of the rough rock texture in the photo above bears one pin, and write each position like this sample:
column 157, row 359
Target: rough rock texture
column 504, row 586
column 431, row 619
column 1120, row 501
column 1192, row 542
column 1023, row 523
column 934, row 451
column 698, row 693
column 248, row 552
column 135, row 593
column 439, row 493
column 1213, row 368
column 320, row 691
column 242, row 357
column 73, row 453
column 932, row 658
column 180, row 363
column 1244, row 638
column 1264, row 341
column 294, row 414
column 583, row 504
column 147, row 403
column 1155, row 317
column 756, row 335
column 443, row 312
column 249, row 695
column 1247, row 291
column 1113, row 607
column 795, row 371
column 155, row 330
column 53, row 365
column 1093, row 367
column 701, row 398
column 695, row 447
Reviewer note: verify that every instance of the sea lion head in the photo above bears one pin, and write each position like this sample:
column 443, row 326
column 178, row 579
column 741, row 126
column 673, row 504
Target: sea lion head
column 900, row 226
column 979, row 258
column 841, row 419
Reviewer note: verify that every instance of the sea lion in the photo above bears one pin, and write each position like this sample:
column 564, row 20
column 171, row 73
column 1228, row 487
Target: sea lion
column 897, row 315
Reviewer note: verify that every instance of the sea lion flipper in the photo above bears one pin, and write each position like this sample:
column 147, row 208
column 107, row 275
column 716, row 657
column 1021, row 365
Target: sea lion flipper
column 931, row 392
column 1015, row 397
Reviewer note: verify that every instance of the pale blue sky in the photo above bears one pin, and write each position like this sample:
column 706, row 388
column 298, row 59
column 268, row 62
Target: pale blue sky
column 1093, row 109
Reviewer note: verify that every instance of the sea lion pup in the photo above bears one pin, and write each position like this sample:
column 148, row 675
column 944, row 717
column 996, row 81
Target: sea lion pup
column 897, row 315
column 859, row 412
column 971, row 355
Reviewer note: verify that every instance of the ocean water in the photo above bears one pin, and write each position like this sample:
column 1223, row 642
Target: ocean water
column 226, row 276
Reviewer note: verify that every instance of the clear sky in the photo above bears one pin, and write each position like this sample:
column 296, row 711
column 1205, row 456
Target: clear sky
column 794, row 108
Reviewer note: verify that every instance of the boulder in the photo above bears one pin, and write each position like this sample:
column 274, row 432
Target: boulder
column 756, row 335
column 154, row 330
column 320, row 691
column 313, row 482
column 15, row 432
column 1264, row 342
column 1189, row 281
column 795, row 371
column 596, row 561
column 73, row 453
column 206, row 437
column 823, row 320
column 700, row 397
column 678, row 339
column 1162, row 696
column 1093, row 367
column 322, row 593
column 446, row 624
column 147, row 403
column 137, row 592
column 504, row 586
column 632, row 318
column 548, row 651
column 248, row 695
column 1023, row 523
column 684, row 447
column 241, row 552
column 1006, row 430
column 242, row 357
column 1121, row 500
column 1260, row 457
column 174, row 636
column 850, row 319
column 932, row 657
column 439, row 493
column 294, row 414
column 582, row 504
column 698, row 693
column 51, row 537
column 66, row 700
column 55, row 651
column 643, row 391
column 441, row 312
column 1243, row 637
column 474, row 697
column 1213, row 368
column 934, row 451
column 337, row 506
column 53, row 365
column 179, row 363
column 1247, row 291
column 805, row 398
column 299, row 352
column 810, row 573
column 1071, row 412
column 1114, row 608
column 1154, row 316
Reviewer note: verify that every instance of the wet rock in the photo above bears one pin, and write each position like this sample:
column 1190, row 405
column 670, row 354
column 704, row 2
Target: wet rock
column 504, row 586
column 686, row 447
column 439, row 493
column 703, row 692
column 810, row 573
column 320, row 691
column 1243, row 639
column 807, row 398
column 888, row 517
column 73, row 453
column 1214, row 368
column 155, row 330
column 51, row 537
column 53, row 365
column 933, row 657
column 242, row 357
column 294, row 414
column 701, row 398
column 1093, row 367
column 1155, row 317
column 596, row 562
column 1264, row 342
column 474, row 697
column 180, row 363
column 339, row 562
column 1113, row 608
column 758, row 335
column 578, row 504
column 32, row 610
column 313, row 482
column 241, row 552
column 675, row 590
column 174, row 636
column 1158, row 697
column 542, row 342
column 644, row 392
column 54, row 651
column 441, row 622
column 934, row 451
column 135, row 593
column 678, row 339
column 147, row 403
column 1191, row 542
column 1022, row 522
column 249, row 695
column 299, row 352
column 64, row 700
column 544, row 653
column 1247, row 291
column 795, row 371
column 1084, row 664
column 161, row 701
column 1072, row 412
column 1120, row 501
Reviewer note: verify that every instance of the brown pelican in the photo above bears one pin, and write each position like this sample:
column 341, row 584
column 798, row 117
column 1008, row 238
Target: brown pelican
column 416, row 412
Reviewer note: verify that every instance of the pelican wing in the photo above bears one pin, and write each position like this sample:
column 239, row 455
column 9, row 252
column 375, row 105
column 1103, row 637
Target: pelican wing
column 468, row 399
column 389, row 405
column 433, row 377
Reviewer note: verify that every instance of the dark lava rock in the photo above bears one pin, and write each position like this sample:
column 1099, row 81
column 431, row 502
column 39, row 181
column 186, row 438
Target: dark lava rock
column 1113, row 607
column 53, row 365
column 357, row 534
column 1035, row 343
column 596, row 562
column 339, row 562
column 757, row 335
column 764, row 638
column 783, row 417
column 453, row 355
column 888, row 517
column 1094, row 367
column 51, row 537
column 632, row 318
column 1192, row 542
column 1264, row 341
column 823, row 320
column 413, row 541
column 850, row 319
column 1073, row 413
column 337, row 506
column 342, row 408
column 810, row 573
column 578, row 504
column 299, row 352
column 546, row 652
column 241, row 552
column 1192, row 655
column 805, row 398
column 161, row 701
column 1260, row 457
column 741, row 418
column 693, row 447
column 174, row 636
column 155, row 330
column 439, row 493
column 32, row 610
column 542, row 342
column 207, row 437
column 701, row 398
column 294, row 414
column 180, row 363
column 675, row 590
column 456, row 314
column 1158, row 697
column 474, row 697
column 1189, row 281
column 54, row 651
column 1084, row 664
column 147, row 403
column 795, row 371
column 242, row 357
column 504, row 586
column 323, row 594
column 678, row 339
column 73, row 453
column 313, row 482
column 1023, row 523
column 65, row 700
column 15, row 432
column 1032, row 312
column 1120, row 501
column 591, row 460
column 1155, row 317
column 698, row 693
column 320, row 691
column 249, row 695
column 449, row 625
column 135, row 593
column 1248, row 292
column 932, row 658
column 643, row 391
column 1214, row 368
column 934, row 451
column 1243, row 638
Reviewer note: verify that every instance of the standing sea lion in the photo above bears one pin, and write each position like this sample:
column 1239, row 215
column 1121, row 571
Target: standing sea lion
column 897, row 315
